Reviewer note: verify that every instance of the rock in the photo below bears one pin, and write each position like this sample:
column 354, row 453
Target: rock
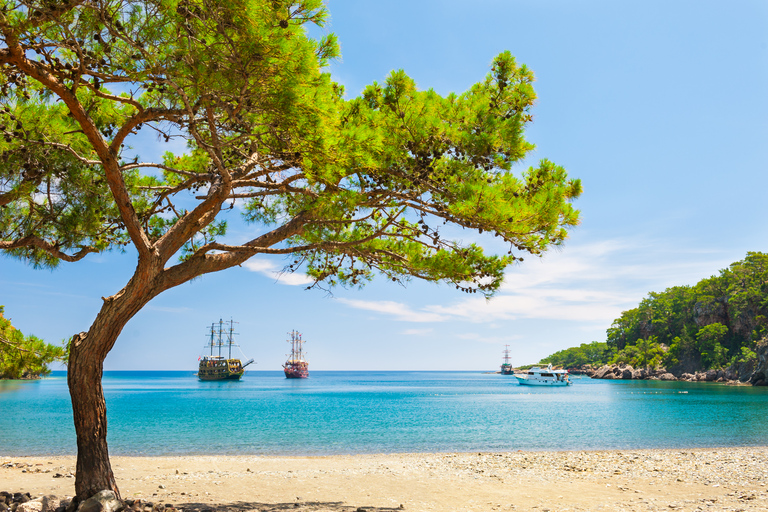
column 30, row 506
column 602, row 371
column 710, row 376
column 50, row 503
column 760, row 376
column 688, row 377
column 102, row 501
column 667, row 376
column 626, row 373
column 21, row 497
column 47, row 503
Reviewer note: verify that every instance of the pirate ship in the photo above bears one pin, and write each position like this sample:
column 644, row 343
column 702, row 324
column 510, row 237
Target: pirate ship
column 215, row 366
column 296, row 367
column 506, row 367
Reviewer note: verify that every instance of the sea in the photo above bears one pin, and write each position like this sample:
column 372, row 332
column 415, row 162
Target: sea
column 338, row 412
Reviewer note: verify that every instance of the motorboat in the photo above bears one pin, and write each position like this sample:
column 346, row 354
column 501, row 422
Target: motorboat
column 537, row 376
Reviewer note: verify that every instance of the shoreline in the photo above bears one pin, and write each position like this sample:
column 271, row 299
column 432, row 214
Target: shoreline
column 732, row 478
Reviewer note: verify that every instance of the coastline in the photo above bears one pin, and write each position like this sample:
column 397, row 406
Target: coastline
column 638, row 480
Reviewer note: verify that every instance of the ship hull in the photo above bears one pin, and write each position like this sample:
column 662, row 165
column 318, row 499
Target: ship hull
column 524, row 381
column 230, row 376
column 224, row 369
column 296, row 371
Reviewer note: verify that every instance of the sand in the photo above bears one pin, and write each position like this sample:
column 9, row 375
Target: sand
column 638, row 480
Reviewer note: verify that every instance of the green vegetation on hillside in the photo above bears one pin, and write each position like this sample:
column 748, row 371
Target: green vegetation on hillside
column 24, row 356
column 713, row 324
column 595, row 353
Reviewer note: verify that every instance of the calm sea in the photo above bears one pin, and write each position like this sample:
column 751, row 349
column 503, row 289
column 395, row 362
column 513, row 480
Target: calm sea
column 173, row 413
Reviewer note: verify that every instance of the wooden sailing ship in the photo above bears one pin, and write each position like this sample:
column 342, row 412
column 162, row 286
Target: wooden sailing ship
column 506, row 367
column 296, row 367
column 215, row 366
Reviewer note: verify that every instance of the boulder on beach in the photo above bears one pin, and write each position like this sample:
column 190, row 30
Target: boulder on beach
column 47, row 503
column 103, row 501
column 30, row 506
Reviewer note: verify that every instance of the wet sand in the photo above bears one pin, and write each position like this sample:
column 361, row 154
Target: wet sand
column 732, row 479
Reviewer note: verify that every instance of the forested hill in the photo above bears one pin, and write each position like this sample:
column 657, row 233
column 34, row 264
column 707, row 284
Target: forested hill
column 24, row 357
column 712, row 325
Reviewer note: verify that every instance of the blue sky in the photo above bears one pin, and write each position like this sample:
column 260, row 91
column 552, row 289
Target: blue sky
column 661, row 108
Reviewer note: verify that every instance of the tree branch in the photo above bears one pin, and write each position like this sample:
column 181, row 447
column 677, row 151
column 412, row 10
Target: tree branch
column 52, row 249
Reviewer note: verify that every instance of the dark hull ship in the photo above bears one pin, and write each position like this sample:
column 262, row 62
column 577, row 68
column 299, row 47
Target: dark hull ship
column 296, row 367
column 506, row 367
column 215, row 366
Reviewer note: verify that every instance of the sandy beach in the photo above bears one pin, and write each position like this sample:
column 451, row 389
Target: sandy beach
column 732, row 479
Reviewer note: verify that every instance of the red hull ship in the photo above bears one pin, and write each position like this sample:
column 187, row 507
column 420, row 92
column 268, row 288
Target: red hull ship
column 296, row 367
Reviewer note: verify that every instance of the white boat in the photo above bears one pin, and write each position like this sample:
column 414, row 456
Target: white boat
column 543, row 377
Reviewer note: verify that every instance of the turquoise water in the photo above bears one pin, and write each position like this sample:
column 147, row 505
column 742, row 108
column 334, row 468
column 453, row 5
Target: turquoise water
column 172, row 413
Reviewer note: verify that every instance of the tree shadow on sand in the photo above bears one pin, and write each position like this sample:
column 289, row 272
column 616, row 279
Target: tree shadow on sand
column 299, row 506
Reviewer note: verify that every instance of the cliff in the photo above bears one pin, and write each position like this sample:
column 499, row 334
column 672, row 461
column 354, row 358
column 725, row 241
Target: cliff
column 760, row 375
column 752, row 372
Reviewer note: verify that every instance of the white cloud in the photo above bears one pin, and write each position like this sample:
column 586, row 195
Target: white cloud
column 417, row 332
column 270, row 269
column 400, row 311
column 589, row 284
column 492, row 340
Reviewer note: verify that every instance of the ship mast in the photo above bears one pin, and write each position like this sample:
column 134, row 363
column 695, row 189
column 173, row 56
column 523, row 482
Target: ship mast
column 212, row 343
column 506, row 355
column 297, row 353
column 221, row 322
column 231, row 336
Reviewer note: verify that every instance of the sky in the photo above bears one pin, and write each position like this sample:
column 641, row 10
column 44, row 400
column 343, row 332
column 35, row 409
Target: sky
column 659, row 107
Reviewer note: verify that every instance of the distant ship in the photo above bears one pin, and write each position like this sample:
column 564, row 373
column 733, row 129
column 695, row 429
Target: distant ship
column 215, row 366
column 296, row 367
column 506, row 367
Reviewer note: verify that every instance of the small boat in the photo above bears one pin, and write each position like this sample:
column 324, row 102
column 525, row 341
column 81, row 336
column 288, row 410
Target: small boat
column 543, row 377
column 215, row 366
column 506, row 367
column 296, row 367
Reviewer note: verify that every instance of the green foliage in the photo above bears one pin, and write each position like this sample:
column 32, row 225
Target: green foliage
column 645, row 353
column 24, row 356
column 350, row 188
column 708, row 325
column 595, row 353
column 709, row 338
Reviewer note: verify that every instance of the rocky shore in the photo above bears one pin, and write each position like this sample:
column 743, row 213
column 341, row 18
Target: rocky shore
column 754, row 373
column 732, row 479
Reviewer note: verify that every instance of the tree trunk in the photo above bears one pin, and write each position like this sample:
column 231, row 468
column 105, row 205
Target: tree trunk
column 93, row 472
column 87, row 352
